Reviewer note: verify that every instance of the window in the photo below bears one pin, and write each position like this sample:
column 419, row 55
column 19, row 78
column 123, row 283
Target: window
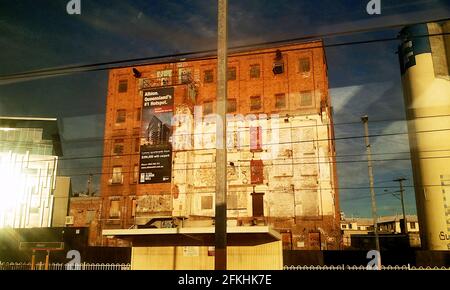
column 255, row 71
column 209, row 76
column 306, row 99
column 280, row 101
column 344, row 226
column 255, row 139
column 304, row 65
column 138, row 114
column 135, row 173
column 412, row 225
column 231, row 73
column 350, row 226
column 207, row 202
column 117, row 177
column 232, row 201
column 231, row 105
column 90, row 216
column 255, row 103
column 114, row 209
column 165, row 76
column 137, row 144
column 133, row 207
column 185, row 76
column 118, row 147
column 123, row 86
column 121, row 116
column 207, row 107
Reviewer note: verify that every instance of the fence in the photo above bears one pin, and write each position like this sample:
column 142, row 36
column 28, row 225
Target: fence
column 61, row 266
column 360, row 267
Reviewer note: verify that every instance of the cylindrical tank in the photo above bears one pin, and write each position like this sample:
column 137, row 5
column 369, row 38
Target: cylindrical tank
column 426, row 87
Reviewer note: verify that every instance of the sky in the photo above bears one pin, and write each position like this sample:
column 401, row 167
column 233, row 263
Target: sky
column 363, row 78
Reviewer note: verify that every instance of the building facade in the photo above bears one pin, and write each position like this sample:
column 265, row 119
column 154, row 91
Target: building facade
column 160, row 140
column 29, row 151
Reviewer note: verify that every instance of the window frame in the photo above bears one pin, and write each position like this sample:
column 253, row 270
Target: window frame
column 284, row 101
column 256, row 97
column 252, row 71
column 302, row 94
column 121, row 86
column 119, row 118
column 208, row 76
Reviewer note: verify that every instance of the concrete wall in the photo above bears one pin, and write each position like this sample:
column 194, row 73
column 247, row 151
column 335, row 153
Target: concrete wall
column 61, row 203
column 261, row 257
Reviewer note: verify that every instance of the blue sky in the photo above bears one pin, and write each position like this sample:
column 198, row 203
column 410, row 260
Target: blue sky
column 364, row 79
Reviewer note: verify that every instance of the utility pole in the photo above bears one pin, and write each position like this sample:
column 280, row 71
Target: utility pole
column 220, row 253
column 365, row 120
column 405, row 224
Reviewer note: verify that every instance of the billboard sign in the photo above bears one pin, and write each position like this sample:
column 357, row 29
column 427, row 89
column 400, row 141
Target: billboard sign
column 155, row 165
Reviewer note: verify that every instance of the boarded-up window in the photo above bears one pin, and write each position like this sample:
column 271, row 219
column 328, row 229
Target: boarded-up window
column 231, row 105
column 123, row 86
column 209, row 76
column 314, row 240
column 232, row 201
column 255, row 139
column 114, row 209
column 257, row 171
column 118, row 147
column 280, row 101
column 255, row 103
column 258, row 204
column 304, row 65
column 306, row 98
column 117, row 176
column 231, row 73
column 133, row 207
column 90, row 216
column 207, row 202
column 255, row 71
column 310, row 203
column 121, row 116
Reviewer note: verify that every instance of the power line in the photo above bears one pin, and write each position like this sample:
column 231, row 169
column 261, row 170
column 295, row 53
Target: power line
column 94, row 66
column 239, row 130
column 267, row 144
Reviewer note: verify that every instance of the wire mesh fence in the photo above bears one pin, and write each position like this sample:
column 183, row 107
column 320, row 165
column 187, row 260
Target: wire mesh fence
column 360, row 267
column 62, row 266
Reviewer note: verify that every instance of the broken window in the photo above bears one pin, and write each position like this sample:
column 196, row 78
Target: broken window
column 209, row 76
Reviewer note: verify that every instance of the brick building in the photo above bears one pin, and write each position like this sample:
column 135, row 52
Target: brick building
column 280, row 145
